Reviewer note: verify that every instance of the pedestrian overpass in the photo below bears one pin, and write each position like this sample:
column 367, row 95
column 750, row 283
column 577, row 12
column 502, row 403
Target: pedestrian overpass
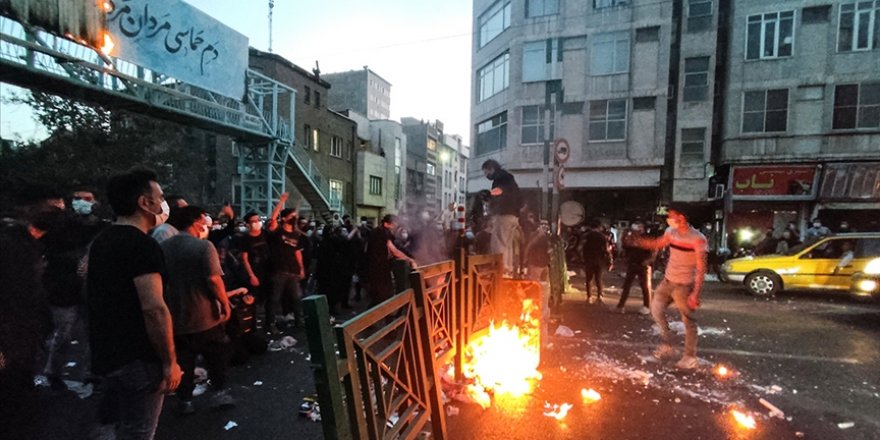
column 261, row 123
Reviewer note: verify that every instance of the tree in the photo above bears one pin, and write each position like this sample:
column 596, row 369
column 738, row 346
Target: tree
column 89, row 143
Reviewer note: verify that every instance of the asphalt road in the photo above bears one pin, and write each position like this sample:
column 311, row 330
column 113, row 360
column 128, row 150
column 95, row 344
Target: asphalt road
column 814, row 356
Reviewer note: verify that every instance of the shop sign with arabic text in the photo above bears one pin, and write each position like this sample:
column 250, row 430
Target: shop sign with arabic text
column 175, row 39
column 774, row 182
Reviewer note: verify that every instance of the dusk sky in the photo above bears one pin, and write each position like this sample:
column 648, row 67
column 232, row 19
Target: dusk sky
column 421, row 47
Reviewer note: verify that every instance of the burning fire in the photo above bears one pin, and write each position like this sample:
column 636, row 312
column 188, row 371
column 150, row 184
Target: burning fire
column 590, row 396
column 744, row 420
column 108, row 45
column 558, row 412
column 505, row 361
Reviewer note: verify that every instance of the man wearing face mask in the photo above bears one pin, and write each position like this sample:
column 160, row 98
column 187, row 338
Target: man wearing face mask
column 255, row 256
column 286, row 266
column 505, row 204
column 817, row 231
column 682, row 283
column 196, row 297
column 130, row 329
column 163, row 231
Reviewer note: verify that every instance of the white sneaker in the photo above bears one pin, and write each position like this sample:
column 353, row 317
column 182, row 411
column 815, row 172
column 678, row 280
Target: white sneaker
column 644, row 311
column 592, row 300
column 687, row 363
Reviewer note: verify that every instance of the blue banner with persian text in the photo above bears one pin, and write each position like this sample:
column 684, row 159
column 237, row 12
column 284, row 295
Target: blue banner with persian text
column 174, row 38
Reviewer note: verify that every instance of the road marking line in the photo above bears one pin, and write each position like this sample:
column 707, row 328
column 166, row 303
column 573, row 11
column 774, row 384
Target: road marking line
column 795, row 357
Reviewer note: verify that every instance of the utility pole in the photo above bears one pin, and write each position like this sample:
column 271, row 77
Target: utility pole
column 271, row 6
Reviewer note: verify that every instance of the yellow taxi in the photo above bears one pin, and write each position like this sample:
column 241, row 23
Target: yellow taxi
column 827, row 263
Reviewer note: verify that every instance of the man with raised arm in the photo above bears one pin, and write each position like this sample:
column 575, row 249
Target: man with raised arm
column 682, row 283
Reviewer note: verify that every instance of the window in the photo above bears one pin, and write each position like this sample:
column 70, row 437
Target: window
column 494, row 77
column 307, row 95
column 430, row 169
column 608, row 120
column 494, row 21
column 696, row 78
column 336, row 146
column 769, row 35
column 859, row 28
column 307, row 136
column 375, row 186
column 610, row 53
column 815, row 14
column 398, row 153
column 599, row 4
column 699, row 15
column 492, row 134
column 647, row 34
column 533, row 125
column 317, row 99
column 315, row 139
column 692, row 143
column 856, row 106
column 540, row 8
column 541, row 60
column 644, row 103
column 765, row 111
column 335, row 194
column 431, row 144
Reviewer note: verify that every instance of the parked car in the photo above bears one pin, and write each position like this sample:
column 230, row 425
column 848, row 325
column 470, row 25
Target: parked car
column 826, row 264
column 866, row 284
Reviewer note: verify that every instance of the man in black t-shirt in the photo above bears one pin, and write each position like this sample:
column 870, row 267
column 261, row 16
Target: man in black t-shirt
column 597, row 259
column 504, row 205
column 255, row 256
column 286, row 267
column 130, row 331
column 380, row 252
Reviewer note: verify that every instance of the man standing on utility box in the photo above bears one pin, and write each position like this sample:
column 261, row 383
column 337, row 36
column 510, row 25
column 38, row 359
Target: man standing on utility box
column 504, row 207
column 682, row 283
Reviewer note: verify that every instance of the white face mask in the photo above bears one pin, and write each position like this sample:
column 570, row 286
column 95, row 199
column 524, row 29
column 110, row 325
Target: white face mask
column 163, row 215
column 242, row 229
column 81, row 207
column 256, row 226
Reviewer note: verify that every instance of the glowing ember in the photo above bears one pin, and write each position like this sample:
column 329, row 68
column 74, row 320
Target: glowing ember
column 744, row 420
column 558, row 412
column 590, row 395
column 108, row 45
column 505, row 361
column 108, row 6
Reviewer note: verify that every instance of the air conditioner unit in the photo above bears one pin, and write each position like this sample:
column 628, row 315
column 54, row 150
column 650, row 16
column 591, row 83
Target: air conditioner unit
column 717, row 192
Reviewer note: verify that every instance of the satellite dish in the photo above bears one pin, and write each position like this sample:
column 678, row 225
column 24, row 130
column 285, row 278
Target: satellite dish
column 571, row 213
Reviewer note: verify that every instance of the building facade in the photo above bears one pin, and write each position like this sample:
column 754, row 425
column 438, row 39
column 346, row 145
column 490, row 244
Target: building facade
column 379, row 173
column 452, row 163
column 325, row 136
column 363, row 91
column 685, row 101
column 422, row 180
column 801, row 133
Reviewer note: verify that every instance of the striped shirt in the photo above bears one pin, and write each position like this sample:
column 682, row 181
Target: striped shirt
column 686, row 251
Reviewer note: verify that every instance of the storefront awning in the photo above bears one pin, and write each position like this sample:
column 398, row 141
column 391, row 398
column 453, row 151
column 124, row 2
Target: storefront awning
column 858, row 182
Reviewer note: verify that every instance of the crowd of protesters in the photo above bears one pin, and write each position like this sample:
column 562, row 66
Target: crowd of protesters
column 158, row 284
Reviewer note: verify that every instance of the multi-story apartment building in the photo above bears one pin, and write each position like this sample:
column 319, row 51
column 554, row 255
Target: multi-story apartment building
column 325, row 136
column 379, row 172
column 704, row 102
column 801, row 115
column 595, row 73
column 452, row 169
column 422, row 140
column 363, row 91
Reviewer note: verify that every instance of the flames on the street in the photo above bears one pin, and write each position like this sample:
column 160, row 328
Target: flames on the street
column 744, row 420
column 505, row 360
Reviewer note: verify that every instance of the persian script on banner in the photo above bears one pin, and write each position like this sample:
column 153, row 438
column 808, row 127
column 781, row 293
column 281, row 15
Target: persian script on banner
column 175, row 39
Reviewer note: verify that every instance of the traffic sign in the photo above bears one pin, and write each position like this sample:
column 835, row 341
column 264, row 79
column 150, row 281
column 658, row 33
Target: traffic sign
column 561, row 150
column 560, row 177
